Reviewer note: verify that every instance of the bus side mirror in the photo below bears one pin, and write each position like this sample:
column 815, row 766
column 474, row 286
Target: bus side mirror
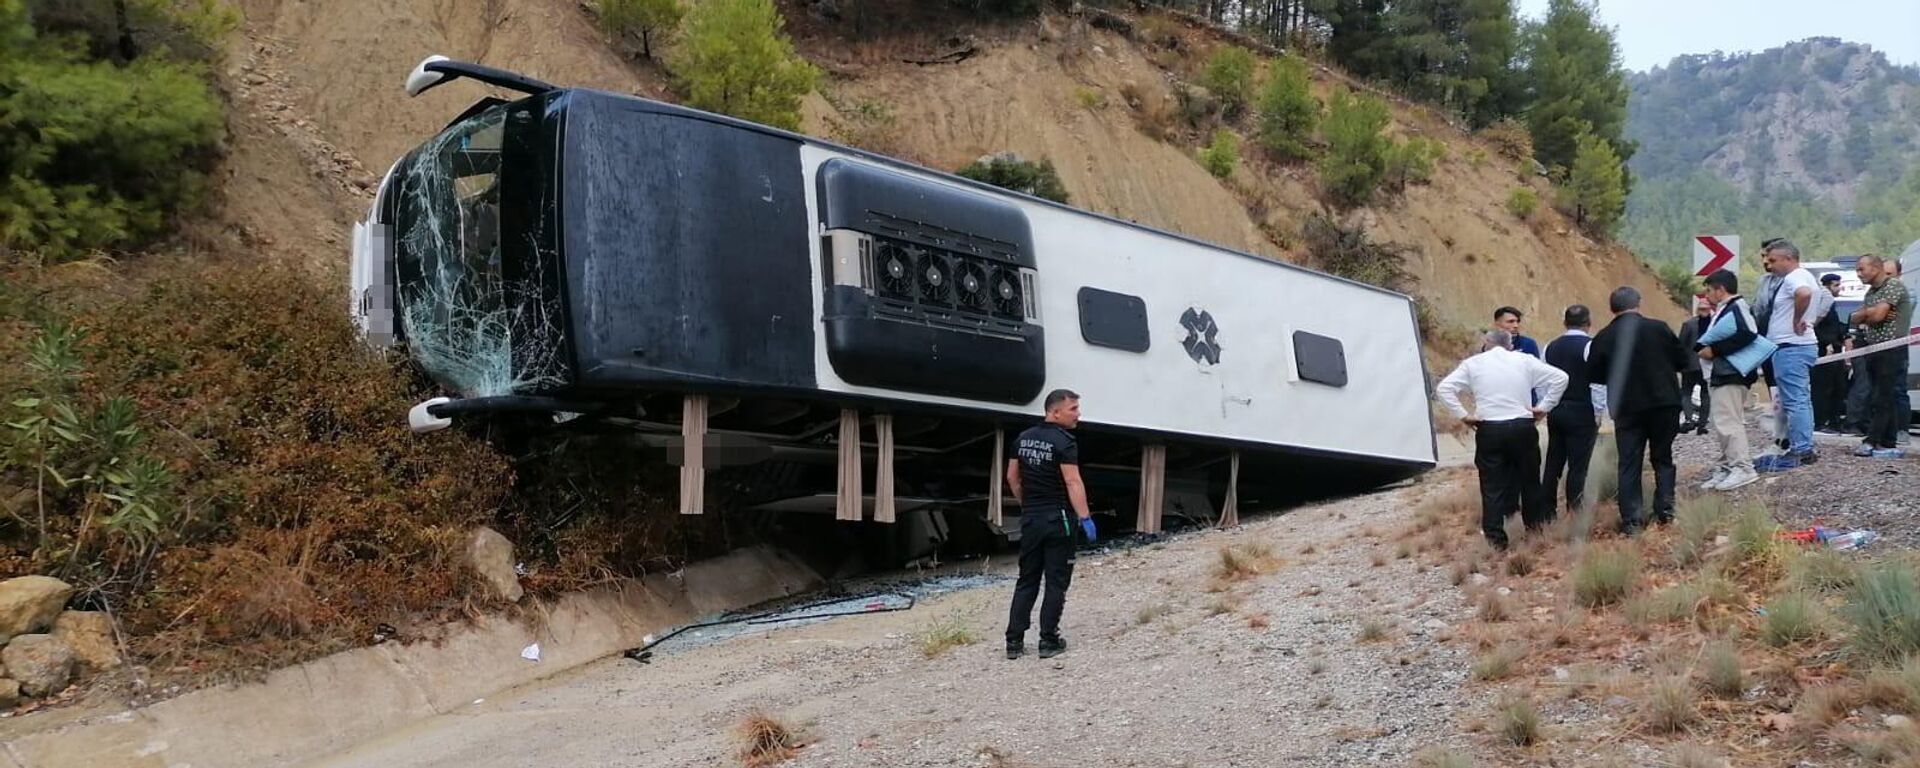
column 422, row 78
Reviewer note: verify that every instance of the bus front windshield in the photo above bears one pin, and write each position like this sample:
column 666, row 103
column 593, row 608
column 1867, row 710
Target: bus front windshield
column 460, row 314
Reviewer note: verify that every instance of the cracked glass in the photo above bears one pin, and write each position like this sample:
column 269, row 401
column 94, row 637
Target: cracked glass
column 470, row 321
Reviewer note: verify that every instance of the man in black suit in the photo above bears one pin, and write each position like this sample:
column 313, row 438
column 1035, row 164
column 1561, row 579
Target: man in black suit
column 1574, row 423
column 1640, row 359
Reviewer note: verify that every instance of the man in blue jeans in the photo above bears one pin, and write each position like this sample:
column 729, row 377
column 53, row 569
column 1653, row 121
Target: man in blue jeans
column 1789, row 324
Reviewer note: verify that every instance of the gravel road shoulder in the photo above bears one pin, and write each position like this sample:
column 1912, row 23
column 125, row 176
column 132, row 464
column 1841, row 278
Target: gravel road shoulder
column 1161, row 672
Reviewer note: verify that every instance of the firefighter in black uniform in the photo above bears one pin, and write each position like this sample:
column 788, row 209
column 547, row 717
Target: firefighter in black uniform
column 1044, row 473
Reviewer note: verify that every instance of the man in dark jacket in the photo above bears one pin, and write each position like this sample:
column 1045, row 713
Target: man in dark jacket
column 1694, row 378
column 1640, row 360
column 1574, row 422
column 1830, row 380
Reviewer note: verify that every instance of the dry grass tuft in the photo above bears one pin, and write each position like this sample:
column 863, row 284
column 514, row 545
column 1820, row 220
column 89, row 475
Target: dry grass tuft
column 1521, row 562
column 1695, row 522
column 1822, row 706
column 1897, row 687
column 1690, row 755
column 1883, row 608
column 765, row 740
column 1669, row 706
column 1605, row 575
column 1493, row 607
column 1791, row 618
column 1459, row 573
column 1818, row 569
column 1148, row 613
column 1517, row 722
column 1379, row 558
column 1373, row 630
column 1245, row 560
column 944, row 636
column 1725, row 676
column 1498, row 663
column 1257, row 621
column 1224, row 604
column 1442, row 757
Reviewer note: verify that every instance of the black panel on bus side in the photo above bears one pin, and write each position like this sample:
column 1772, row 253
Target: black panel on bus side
column 1117, row 320
column 915, row 346
column 686, row 249
column 1320, row 359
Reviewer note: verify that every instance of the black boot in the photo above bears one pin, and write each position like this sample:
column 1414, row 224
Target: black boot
column 1015, row 648
column 1052, row 646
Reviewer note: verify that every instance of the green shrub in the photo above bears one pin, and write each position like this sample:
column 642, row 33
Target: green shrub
column 1288, row 110
column 95, row 156
column 1010, row 171
column 1229, row 75
column 1522, row 202
column 1411, row 161
column 1598, row 185
column 944, row 635
column 1791, row 618
column 1222, row 155
column 1605, row 575
column 736, row 60
column 1883, row 608
column 650, row 19
column 1357, row 150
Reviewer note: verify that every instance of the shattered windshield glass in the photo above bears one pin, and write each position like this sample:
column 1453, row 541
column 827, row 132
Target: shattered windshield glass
column 460, row 311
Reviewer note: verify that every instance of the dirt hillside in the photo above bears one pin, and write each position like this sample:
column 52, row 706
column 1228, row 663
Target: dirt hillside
column 329, row 84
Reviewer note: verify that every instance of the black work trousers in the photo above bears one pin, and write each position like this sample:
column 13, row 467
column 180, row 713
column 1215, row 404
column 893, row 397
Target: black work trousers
column 1569, row 451
column 1829, row 394
column 1886, row 375
column 1643, row 435
column 1507, row 453
column 1046, row 551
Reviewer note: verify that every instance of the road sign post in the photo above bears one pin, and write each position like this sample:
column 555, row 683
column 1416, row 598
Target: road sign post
column 1715, row 252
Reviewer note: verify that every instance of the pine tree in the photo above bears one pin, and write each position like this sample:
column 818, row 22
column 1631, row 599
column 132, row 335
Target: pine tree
column 1229, row 75
column 648, row 18
column 1598, row 185
column 1578, row 85
column 735, row 60
column 1288, row 110
column 1357, row 150
column 1494, row 89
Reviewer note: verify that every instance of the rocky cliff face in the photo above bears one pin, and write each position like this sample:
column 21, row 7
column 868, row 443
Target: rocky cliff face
column 1819, row 115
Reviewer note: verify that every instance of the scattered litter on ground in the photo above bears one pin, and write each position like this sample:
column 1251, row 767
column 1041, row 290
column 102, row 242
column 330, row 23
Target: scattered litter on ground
column 531, row 652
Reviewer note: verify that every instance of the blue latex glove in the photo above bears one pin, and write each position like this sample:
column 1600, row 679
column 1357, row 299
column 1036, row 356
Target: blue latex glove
column 1086, row 527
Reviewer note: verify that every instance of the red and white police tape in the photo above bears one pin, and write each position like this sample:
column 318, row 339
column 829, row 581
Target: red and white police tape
column 1911, row 338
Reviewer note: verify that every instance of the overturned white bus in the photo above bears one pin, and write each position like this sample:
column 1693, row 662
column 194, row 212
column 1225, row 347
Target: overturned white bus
column 576, row 259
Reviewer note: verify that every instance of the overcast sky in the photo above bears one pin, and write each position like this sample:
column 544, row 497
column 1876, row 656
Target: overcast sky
column 1652, row 32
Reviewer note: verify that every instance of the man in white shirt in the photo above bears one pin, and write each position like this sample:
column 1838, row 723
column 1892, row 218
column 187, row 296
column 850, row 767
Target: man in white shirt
column 1506, row 444
column 1790, row 318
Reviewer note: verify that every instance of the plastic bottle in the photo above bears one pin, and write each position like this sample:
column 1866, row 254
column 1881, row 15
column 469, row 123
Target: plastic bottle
column 1852, row 540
